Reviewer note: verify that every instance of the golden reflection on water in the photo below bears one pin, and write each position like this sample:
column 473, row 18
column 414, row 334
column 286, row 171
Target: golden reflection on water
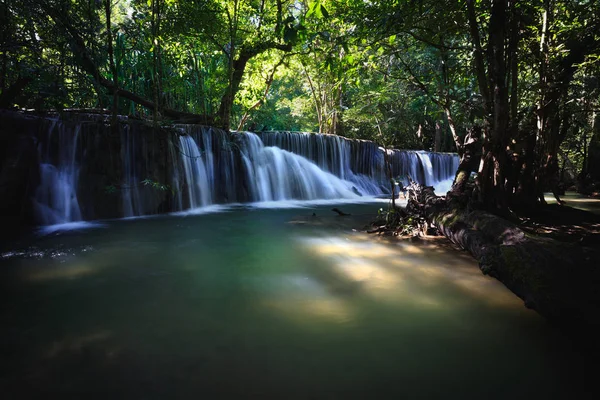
column 325, row 307
column 363, row 250
column 385, row 284
column 367, row 271
column 420, row 273
column 57, row 272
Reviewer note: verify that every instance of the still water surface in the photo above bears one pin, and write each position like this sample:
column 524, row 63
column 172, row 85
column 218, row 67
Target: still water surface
column 263, row 303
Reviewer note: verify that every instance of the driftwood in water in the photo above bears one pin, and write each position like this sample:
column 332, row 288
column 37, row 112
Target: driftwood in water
column 340, row 212
column 378, row 229
column 559, row 280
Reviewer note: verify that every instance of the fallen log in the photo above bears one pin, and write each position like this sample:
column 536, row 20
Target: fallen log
column 561, row 281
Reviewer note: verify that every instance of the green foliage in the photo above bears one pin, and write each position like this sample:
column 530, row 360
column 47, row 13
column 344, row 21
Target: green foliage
column 113, row 189
column 155, row 185
column 401, row 73
column 110, row 189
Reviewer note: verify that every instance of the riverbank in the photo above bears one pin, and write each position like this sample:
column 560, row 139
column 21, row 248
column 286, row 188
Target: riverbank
column 546, row 256
column 577, row 221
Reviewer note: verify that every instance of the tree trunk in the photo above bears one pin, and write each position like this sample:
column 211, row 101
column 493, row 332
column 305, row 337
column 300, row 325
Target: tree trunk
column 558, row 280
column 438, row 137
column 593, row 159
column 111, row 60
column 452, row 125
column 469, row 157
column 318, row 108
column 238, row 68
column 493, row 87
column 260, row 101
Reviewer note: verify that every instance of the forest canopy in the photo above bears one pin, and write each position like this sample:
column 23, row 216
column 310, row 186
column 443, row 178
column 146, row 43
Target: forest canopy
column 520, row 79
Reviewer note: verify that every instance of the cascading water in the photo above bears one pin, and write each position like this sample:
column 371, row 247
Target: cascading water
column 427, row 168
column 444, row 165
column 88, row 170
column 363, row 162
column 210, row 153
column 131, row 196
column 275, row 174
column 56, row 196
column 333, row 154
column 197, row 180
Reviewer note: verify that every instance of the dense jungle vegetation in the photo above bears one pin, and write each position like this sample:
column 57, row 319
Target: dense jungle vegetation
column 513, row 87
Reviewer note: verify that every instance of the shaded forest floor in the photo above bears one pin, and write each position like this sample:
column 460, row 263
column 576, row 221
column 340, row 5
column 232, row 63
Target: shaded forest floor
column 577, row 221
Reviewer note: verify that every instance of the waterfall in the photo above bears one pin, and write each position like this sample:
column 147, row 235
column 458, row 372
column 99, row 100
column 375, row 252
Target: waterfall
column 362, row 162
column 56, row 196
column 427, row 168
column 88, row 170
column 333, row 154
column 275, row 174
column 444, row 165
column 207, row 167
column 199, row 191
column 131, row 197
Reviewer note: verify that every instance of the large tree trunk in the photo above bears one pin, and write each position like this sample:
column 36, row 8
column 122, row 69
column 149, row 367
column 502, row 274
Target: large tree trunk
column 558, row 280
column 239, row 66
column 468, row 160
column 111, row 60
column 494, row 89
column 438, row 137
column 593, row 159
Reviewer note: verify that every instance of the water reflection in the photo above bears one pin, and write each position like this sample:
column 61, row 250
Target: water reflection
column 246, row 305
column 420, row 272
column 576, row 200
column 45, row 273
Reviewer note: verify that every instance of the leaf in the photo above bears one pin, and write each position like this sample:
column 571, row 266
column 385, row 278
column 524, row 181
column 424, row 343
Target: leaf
column 324, row 12
column 318, row 13
column 311, row 9
column 392, row 39
column 289, row 35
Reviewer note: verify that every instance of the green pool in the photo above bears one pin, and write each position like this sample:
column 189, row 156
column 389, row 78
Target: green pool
column 266, row 303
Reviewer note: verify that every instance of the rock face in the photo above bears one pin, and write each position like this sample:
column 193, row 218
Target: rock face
column 19, row 172
column 71, row 167
column 79, row 168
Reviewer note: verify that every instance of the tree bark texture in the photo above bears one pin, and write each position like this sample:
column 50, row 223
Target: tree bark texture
column 560, row 281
